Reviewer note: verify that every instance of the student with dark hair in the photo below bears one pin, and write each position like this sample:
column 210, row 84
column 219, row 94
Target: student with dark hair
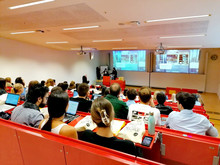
column 161, row 98
column 83, row 99
column 57, row 107
column 20, row 80
column 42, row 83
column 2, row 86
column 131, row 95
column 63, row 85
column 102, row 114
column 186, row 120
column 29, row 113
column 142, row 110
column 120, row 107
column 84, row 79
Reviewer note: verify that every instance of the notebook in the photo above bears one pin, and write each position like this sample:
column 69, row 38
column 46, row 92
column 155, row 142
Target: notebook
column 71, row 112
column 11, row 102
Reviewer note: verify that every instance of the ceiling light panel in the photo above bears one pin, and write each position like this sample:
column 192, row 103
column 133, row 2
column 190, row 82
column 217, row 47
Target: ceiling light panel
column 85, row 27
column 178, row 18
column 30, row 4
column 185, row 36
column 23, row 32
column 58, row 42
column 107, row 40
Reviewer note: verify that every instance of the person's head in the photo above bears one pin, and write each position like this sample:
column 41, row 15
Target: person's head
column 125, row 91
column 155, row 95
column 8, row 79
column 144, row 94
column 114, row 68
column 42, row 83
column 38, row 95
column 18, row 88
column 106, row 92
column 115, row 89
column 56, row 88
column 131, row 94
column 32, row 83
column 64, row 86
column 102, row 112
column 161, row 98
column 83, row 90
column 72, row 85
column 57, row 106
column 50, row 82
column 19, row 80
column 185, row 100
column 2, row 83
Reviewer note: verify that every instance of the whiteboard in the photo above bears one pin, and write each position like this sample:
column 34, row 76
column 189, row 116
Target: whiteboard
column 102, row 68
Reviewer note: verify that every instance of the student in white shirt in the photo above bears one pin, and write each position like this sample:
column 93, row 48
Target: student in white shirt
column 186, row 120
column 143, row 109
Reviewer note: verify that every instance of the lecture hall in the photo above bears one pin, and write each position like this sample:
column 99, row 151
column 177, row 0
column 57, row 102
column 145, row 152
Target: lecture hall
column 70, row 71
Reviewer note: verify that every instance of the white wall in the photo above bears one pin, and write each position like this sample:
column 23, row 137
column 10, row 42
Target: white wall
column 38, row 63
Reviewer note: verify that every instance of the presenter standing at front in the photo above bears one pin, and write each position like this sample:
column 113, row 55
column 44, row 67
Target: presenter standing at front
column 114, row 73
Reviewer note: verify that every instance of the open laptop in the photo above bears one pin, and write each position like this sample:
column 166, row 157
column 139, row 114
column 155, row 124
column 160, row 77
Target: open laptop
column 95, row 96
column 11, row 102
column 71, row 112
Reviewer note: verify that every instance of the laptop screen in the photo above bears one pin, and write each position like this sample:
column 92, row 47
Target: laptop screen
column 75, row 93
column 73, row 105
column 95, row 96
column 12, row 99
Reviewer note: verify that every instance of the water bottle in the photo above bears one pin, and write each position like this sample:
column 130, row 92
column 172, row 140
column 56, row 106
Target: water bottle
column 151, row 124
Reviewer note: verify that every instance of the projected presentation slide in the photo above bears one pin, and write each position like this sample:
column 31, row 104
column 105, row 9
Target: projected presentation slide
column 178, row 61
column 130, row 60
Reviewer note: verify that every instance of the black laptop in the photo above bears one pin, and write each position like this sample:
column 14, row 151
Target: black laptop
column 71, row 112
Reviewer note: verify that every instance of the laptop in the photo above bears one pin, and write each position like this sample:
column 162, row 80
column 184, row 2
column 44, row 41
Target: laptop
column 71, row 112
column 11, row 102
column 95, row 96
column 75, row 93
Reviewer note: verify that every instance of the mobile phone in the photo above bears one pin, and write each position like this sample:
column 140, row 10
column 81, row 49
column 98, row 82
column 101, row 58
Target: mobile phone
column 147, row 141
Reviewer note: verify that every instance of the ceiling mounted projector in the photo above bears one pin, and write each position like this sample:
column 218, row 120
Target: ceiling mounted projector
column 81, row 52
column 160, row 49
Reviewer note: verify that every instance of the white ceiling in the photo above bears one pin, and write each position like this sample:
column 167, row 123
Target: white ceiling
column 52, row 17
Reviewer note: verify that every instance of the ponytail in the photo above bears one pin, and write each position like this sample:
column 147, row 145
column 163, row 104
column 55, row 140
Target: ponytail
column 104, row 117
column 47, row 126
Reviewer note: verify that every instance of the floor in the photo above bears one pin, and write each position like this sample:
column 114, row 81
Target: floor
column 211, row 105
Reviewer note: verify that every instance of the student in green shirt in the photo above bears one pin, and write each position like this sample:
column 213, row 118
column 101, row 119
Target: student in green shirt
column 120, row 107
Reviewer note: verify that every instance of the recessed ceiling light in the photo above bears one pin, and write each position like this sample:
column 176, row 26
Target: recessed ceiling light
column 23, row 32
column 177, row 18
column 57, row 42
column 185, row 46
column 197, row 35
column 124, row 48
column 30, row 4
column 85, row 27
column 107, row 40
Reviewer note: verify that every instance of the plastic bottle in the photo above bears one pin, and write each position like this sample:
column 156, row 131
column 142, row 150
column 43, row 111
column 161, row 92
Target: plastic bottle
column 151, row 124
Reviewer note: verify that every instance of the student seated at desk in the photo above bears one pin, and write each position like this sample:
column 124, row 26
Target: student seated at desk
column 188, row 121
column 161, row 98
column 143, row 109
column 57, row 107
column 83, row 99
column 131, row 95
column 102, row 114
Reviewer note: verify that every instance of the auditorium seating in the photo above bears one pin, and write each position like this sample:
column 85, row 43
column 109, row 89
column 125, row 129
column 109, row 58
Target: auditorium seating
column 25, row 145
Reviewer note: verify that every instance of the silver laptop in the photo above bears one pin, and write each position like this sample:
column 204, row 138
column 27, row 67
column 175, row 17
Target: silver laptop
column 11, row 102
